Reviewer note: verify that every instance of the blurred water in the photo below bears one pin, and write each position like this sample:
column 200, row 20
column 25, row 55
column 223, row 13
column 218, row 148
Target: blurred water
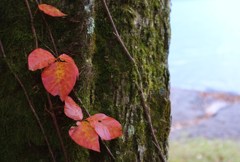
column 205, row 45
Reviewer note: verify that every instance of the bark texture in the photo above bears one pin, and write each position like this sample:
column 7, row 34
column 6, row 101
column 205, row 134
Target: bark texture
column 107, row 82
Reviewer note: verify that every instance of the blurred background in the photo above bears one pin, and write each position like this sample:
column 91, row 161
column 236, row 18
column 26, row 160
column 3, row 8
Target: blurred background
column 204, row 64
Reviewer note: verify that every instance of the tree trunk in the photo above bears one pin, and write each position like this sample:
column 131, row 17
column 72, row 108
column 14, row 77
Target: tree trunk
column 109, row 80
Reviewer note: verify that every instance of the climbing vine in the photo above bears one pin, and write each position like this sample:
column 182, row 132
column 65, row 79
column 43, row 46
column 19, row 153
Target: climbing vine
column 59, row 76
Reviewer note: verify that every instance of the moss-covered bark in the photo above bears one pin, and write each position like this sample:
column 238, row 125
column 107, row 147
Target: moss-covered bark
column 107, row 81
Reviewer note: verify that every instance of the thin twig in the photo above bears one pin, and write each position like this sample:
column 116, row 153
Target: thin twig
column 80, row 101
column 30, row 104
column 82, row 106
column 49, row 30
column 108, row 150
column 2, row 49
column 51, row 35
column 32, row 25
column 149, row 119
column 116, row 32
column 139, row 85
column 37, row 1
column 51, row 112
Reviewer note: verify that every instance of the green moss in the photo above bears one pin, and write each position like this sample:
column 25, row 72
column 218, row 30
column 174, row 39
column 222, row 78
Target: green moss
column 140, row 25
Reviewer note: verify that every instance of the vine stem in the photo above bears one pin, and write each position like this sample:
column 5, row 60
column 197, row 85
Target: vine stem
column 49, row 30
column 139, row 85
column 51, row 35
column 29, row 103
column 80, row 101
column 32, row 25
column 51, row 112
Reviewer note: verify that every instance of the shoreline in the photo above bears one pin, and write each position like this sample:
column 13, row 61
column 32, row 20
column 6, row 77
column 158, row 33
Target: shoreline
column 204, row 114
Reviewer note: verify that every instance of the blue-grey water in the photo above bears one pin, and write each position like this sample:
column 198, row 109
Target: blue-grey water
column 205, row 45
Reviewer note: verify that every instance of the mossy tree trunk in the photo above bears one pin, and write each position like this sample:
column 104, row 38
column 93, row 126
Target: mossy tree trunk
column 107, row 83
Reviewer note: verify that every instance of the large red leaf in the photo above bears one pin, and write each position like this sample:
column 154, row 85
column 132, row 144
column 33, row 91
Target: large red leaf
column 106, row 127
column 60, row 77
column 72, row 110
column 84, row 135
column 39, row 58
column 51, row 10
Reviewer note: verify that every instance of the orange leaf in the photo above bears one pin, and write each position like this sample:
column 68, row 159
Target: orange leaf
column 85, row 136
column 51, row 10
column 39, row 58
column 106, row 127
column 60, row 77
column 72, row 110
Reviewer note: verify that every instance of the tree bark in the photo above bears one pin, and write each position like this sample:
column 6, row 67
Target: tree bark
column 135, row 93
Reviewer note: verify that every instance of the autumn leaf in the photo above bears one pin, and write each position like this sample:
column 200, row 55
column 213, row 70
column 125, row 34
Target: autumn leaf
column 51, row 10
column 60, row 77
column 106, row 127
column 66, row 58
column 39, row 58
column 72, row 110
column 84, row 135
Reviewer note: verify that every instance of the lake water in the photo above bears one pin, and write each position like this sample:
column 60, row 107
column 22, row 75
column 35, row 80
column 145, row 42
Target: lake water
column 205, row 45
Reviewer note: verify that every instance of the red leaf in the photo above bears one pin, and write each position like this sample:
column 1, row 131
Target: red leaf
column 39, row 58
column 60, row 77
column 72, row 110
column 85, row 136
column 106, row 127
column 51, row 10
column 64, row 57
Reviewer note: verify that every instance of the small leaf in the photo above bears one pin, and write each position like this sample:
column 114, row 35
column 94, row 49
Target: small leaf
column 39, row 58
column 72, row 110
column 51, row 10
column 106, row 127
column 60, row 77
column 84, row 135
